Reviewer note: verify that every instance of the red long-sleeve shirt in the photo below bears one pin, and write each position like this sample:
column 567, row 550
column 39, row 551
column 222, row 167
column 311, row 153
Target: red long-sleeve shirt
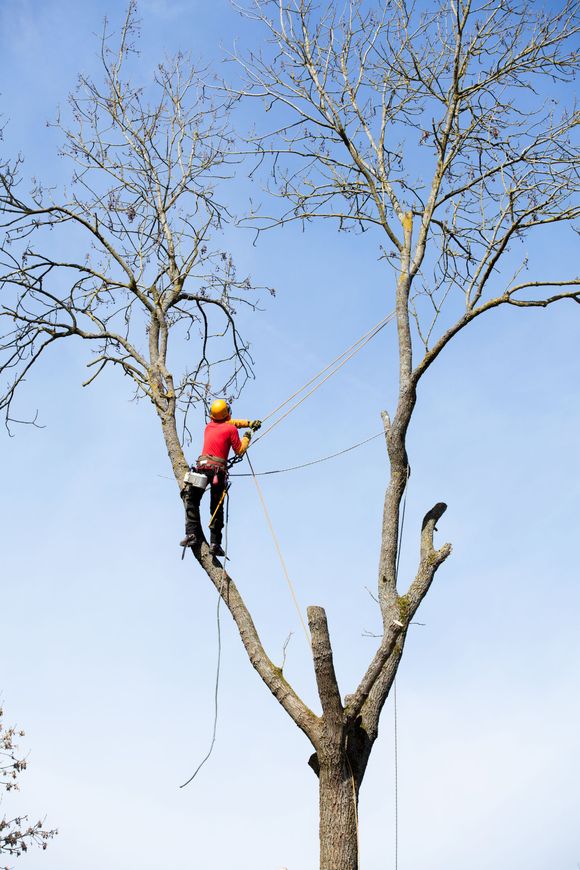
column 219, row 437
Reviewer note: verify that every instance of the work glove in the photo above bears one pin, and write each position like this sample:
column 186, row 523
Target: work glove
column 248, row 434
column 255, row 425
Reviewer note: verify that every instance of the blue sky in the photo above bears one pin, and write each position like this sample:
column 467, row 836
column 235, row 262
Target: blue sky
column 109, row 640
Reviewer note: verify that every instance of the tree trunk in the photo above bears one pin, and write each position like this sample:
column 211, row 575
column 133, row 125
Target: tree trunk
column 338, row 817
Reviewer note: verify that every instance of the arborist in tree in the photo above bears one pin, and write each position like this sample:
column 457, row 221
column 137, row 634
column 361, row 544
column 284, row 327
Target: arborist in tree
column 221, row 433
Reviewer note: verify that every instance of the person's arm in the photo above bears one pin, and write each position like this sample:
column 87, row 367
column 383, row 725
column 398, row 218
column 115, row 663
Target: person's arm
column 239, row 446
column 254, row 425
column 245, row 442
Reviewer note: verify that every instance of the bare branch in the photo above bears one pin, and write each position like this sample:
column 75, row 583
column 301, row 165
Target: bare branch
column 272, row 676
column 354, row 702
column 143, row 206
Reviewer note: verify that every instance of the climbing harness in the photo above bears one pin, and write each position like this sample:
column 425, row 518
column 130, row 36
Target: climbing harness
column 211, row 462
column 197, row 478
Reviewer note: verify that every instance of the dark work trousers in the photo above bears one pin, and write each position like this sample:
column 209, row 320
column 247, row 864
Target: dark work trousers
column 192, row 496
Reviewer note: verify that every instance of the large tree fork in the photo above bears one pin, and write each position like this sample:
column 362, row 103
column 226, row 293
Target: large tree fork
column 345, row 726
column 343, row 735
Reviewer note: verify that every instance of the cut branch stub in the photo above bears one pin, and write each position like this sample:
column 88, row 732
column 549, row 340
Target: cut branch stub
column 430, row 559
column 428, row 527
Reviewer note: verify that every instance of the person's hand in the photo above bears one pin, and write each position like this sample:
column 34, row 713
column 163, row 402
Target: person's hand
column 255, row 425
column 248, row 434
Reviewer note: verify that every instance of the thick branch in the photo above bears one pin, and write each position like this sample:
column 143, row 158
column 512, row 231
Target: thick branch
column 377, row 684
column 355, row 702
column 508, row 298
column 430, row 559
column 328, row 690
column 271, row 675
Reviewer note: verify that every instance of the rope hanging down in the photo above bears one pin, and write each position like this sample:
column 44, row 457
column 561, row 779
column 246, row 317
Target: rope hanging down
column 396, row 775
column 279, row 551
column 332, row 368
column 395, row 714
column 219, row 654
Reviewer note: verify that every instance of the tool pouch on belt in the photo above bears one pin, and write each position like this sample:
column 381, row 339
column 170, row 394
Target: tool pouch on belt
column 212, row 463
column 196, row 479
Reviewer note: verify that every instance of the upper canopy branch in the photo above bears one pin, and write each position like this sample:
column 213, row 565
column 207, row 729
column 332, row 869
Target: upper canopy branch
column 143, row 218
column 507, row 298
column 388, row 108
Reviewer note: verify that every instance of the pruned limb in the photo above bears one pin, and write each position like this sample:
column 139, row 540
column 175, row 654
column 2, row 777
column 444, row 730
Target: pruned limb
column 328, row 690
column 378, row 677
column 429, row 526
column 430, row 560
column 370, row 696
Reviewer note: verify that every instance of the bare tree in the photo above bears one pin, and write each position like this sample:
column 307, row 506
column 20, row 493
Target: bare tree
column 16, row 834
column 431, row 128
column 142, row 208
column 435, row 126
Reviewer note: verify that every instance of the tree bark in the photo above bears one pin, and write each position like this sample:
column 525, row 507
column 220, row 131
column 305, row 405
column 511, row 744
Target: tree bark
column 338, row 789
column 338, row 815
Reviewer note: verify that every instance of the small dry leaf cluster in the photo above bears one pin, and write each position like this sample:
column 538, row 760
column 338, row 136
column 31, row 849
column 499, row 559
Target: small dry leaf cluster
column 16, row 834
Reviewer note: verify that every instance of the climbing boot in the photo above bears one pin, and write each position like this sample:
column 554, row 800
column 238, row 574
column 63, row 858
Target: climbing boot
column 190, row 541
column 216, row 549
